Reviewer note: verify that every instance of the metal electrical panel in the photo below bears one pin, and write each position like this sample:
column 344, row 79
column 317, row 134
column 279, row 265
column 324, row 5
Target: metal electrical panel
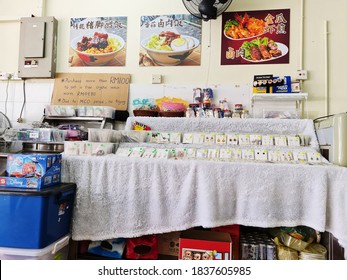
column 37, row 47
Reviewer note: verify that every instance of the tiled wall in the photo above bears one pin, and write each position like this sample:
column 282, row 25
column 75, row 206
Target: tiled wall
column 38, row 94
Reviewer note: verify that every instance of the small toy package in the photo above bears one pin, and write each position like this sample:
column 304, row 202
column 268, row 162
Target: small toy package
column 32, row 171
column 205, row 245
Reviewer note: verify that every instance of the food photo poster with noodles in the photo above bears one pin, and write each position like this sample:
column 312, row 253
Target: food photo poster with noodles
column 170, row 40
column 255, row 37
column 98, row 41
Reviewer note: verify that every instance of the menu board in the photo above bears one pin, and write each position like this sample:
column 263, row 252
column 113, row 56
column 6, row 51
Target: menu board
column 89, row 89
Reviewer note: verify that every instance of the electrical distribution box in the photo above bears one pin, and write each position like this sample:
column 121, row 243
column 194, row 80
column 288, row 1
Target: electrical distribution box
column 37, row 47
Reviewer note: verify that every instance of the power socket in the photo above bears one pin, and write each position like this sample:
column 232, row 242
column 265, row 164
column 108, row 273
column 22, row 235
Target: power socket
column 156, row 79
column 4, row 76
column 301, row 75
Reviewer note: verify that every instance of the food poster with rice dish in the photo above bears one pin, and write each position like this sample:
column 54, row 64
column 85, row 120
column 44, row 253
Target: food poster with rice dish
column 255, row 37
column 98, row 41
column 170, row 40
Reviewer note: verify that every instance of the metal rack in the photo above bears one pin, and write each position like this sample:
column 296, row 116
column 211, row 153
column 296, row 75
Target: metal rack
column 85, row 120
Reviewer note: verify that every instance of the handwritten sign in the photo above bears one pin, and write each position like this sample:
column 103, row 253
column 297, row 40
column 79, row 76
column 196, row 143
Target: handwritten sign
column 87, row 89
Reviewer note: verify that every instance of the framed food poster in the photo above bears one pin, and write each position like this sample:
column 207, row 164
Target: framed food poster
column 255, row 37
column 98, row 41
column 170, row 40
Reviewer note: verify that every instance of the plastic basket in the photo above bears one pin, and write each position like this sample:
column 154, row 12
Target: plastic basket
column 173, row 114
column 145, row 113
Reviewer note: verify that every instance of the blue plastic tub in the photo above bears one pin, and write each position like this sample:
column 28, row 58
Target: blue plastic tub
column 34, row 219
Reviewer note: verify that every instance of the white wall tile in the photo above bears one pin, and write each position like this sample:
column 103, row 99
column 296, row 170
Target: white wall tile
column 35, row 92
column 7, row 90
column 31, row 112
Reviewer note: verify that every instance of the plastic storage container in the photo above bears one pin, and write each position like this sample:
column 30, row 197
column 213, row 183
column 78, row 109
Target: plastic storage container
column 34, row 219
column 58, row 250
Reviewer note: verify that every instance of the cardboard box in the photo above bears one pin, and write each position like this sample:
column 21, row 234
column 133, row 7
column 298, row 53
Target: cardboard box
column 262, row 83
column 205, row 245
column 32, row 171
column 168, row 243
column 286, row 87
column 234, row 231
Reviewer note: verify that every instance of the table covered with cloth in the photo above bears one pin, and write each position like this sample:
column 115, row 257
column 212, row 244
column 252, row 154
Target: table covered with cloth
column 129, row 197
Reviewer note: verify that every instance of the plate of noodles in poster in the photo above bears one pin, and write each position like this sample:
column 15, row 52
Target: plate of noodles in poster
column 262, row 50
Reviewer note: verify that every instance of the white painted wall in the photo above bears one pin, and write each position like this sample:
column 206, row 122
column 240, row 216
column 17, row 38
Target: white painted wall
column 210, row 73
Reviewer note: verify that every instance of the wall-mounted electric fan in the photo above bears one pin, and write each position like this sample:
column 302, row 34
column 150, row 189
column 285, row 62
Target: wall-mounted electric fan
column 206, row 9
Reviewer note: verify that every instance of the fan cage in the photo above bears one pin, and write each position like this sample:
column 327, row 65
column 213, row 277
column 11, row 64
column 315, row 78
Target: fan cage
column 193, row 8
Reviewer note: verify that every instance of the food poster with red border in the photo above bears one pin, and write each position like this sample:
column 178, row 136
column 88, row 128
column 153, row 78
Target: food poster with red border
column 170, row 40
column 98, row 41
column 255, row 37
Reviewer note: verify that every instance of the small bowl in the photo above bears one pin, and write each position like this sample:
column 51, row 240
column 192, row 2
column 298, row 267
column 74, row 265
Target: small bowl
column 97, row 59
column 169, row 58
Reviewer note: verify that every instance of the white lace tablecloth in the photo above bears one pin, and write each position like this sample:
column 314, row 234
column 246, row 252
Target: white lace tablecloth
column 129, row 197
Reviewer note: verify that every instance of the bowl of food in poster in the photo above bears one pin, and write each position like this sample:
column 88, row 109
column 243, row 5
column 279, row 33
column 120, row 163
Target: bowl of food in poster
column 98, row 48
column 169, row 48
column 243, row 27
column 262, row 50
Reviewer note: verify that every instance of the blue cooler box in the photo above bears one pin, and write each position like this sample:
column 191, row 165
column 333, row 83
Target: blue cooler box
column 34, row 219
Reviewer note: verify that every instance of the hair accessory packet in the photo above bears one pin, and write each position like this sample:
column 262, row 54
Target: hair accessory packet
column 104, row 135
column 140, row 126
column 84, row 148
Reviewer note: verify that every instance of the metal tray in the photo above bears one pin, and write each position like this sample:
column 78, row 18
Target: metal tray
column 43, row 147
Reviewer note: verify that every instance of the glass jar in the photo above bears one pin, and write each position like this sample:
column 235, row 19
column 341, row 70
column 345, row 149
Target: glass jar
column 245, row 114
column 227, row 114
column 238, row 107
column 190, row 113
column 236, row 114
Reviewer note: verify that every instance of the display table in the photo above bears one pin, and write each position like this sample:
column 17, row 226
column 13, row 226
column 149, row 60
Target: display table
column 128, row 197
